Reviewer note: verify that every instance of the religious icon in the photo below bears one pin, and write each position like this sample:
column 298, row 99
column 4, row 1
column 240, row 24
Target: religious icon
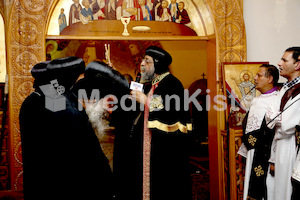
column 95, row 13
column 86, row 13
column 173, row 7
column 239, row 87
column 162, row 12
column 125, row 21
column 62, row 21
column 246, row 86
column 74, row 12
column 182, row 16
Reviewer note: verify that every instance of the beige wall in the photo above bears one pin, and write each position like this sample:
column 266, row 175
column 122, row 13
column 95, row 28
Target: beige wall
column 271, row 27
column 189, row 60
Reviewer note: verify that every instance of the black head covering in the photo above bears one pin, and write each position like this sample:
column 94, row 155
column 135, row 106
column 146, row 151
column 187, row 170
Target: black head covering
column 161, row 58
column 65, row 70
column 99, row 75
column 38, row 72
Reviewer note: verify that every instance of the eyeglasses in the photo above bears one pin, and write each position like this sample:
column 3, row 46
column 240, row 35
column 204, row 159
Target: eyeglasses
column 147, row 61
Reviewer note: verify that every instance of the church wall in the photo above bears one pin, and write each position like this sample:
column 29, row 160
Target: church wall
column 271, row 27
column 189, row 60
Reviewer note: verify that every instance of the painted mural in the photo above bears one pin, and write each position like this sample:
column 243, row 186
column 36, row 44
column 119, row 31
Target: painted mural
column 69, row 12
column 125, row 56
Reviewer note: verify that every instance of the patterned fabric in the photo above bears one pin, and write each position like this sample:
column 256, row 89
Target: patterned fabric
column 156, row 103
column 254, row 139
column 147, row 147
column 253, row 123
column 260, row 140
column 290, row 94
column 150, row 105
column 292, row 83
column 159, row 78
column 165, row 143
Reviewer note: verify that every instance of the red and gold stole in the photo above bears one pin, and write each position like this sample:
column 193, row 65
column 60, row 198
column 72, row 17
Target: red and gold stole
column 147, row 139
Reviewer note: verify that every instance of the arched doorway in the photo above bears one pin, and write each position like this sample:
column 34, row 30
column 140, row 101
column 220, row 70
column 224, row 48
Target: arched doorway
column 28, row 24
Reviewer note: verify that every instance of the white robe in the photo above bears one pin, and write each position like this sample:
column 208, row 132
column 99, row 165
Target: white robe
column 258, row 109
column 120, row 12
column 285, row 143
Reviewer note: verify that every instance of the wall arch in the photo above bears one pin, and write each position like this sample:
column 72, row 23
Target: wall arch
column 27, row 23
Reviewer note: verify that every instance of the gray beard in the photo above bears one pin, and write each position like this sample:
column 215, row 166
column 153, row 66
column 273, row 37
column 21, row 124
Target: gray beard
column 97, row 115
column 146, row 77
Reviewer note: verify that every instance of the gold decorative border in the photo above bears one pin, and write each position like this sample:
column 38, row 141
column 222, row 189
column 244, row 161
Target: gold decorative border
column 35, row 7
column 169, row 127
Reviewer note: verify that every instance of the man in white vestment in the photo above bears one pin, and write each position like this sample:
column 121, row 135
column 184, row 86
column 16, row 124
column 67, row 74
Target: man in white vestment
column 254, row 141
column 284, row 116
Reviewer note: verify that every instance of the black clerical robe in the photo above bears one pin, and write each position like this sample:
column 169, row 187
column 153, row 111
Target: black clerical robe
column 169, row 147
column 61, row 154
column 170, row 127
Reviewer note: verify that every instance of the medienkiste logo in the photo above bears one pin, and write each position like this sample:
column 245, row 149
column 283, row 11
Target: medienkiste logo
column 54, row 100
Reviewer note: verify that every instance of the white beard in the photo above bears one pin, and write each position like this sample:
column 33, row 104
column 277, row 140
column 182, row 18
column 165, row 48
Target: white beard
column 97, row 115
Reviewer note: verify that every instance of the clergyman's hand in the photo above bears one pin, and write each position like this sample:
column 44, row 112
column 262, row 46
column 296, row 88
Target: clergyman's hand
column 138, row 96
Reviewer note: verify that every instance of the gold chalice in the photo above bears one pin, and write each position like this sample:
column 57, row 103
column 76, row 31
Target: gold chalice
column 125, row 21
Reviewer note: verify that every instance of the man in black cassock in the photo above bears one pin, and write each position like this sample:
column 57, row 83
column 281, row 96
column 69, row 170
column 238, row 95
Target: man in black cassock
column 62, row 157
column 160, row 136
